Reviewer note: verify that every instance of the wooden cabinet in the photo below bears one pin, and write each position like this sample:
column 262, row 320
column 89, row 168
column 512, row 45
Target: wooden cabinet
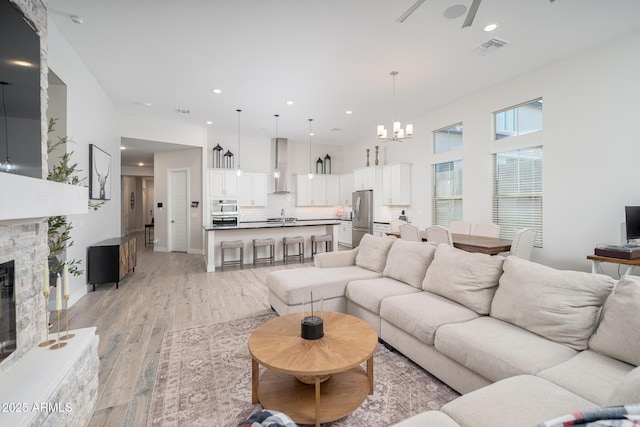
column 222, row 183
column 252, row 189
column 366, row 178
column 111, row 260
column 344, row 233
column 332, row 190
column 396, row 184
column 346, row 189
column 321, row 190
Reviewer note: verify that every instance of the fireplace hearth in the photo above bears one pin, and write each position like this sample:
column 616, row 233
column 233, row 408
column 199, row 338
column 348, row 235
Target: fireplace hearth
column 7, row 310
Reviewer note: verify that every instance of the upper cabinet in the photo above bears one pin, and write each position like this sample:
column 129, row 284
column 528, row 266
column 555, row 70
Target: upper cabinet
column 366, row 178
column 321, row 190
column 252, row 189
column 346, row 188
column 222, row 184
column 396, row 184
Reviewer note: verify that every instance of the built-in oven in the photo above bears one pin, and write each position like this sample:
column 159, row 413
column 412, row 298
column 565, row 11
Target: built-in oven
column 224, row 213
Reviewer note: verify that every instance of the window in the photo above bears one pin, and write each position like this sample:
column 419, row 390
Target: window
column 447, row 192
column 517, row 200
column 447, row 139
column 519, row 120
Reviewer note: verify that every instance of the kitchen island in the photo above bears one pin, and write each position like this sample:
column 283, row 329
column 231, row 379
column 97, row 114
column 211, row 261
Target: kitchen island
column 247, row 231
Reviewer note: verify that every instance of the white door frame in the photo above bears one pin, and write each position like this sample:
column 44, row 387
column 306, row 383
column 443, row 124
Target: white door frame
column 169, row 207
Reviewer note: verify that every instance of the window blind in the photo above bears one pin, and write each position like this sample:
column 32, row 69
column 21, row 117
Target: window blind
column 517, row 201
column 447, row 192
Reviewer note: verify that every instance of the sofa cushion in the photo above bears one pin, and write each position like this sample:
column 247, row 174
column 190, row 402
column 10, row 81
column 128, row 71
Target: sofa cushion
column 373, row 252
column 620, row 324
column 464, row 277
column 497, row 349
column 560, row 305
column 428, row 419
column 421, row 314
column 628, row 391
column 408, row 261
column 521, row 401
column 295, row 285
column 370, row 293
column 589, row 374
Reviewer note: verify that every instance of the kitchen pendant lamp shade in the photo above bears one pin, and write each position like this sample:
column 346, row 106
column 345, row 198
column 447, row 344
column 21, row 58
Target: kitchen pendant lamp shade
column 310, row 161
column 239, row 171
column 398, row 133
column 276, row 171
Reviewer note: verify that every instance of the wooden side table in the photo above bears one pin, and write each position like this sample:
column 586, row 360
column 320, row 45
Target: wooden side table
column 331, row 363
column 596, row 260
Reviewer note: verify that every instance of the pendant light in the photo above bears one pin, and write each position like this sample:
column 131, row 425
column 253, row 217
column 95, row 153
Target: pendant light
column 276, row 171
column 239, row 171
column 398, row 133
column 310, row 161
column 6, row 165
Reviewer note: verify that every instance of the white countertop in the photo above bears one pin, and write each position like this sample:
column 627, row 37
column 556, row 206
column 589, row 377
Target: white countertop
column 298, row 223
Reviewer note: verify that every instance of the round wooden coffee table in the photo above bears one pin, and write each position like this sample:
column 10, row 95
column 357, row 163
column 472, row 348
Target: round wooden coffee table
column 277, row 345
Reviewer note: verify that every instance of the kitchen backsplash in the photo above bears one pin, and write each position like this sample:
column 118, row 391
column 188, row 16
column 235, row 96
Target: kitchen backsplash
column 287, row 201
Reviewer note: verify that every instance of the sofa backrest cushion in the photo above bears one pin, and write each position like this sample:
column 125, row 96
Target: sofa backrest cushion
column 628, row 391
column 620, row 324
column 373, row 252
column 408, row 261
column 467, row 278
column 562, row 306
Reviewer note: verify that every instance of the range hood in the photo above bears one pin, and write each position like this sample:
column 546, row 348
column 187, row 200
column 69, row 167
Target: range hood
column 281, row 156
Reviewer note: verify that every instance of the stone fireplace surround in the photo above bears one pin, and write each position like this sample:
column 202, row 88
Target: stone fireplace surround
column 39, row 386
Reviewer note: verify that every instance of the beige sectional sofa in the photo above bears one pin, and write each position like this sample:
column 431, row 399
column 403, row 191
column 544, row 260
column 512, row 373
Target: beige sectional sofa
column 522, row 342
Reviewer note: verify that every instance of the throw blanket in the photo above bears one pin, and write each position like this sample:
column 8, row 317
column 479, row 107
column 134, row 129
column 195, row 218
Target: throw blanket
column 268, row 418
column 612, row 416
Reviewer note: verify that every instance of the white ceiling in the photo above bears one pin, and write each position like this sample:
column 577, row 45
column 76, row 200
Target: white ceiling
column 328, row 56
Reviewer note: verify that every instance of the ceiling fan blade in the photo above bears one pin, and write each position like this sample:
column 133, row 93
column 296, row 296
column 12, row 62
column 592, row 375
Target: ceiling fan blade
column 409, row 11
column 471, row 14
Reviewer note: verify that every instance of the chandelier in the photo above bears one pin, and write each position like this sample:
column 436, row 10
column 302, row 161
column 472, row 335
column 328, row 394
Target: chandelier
column 398, row 132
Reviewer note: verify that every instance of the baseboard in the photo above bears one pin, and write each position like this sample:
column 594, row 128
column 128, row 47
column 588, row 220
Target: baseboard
column 195, row 251
column 160, row 249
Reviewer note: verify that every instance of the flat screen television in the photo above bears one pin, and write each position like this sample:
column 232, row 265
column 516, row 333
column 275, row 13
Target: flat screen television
column 632, row 222
column 20, row 116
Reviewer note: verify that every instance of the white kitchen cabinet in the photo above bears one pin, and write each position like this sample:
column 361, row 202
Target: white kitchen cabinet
column 252, row 189
column 346, row 188
column 321, row 190
column 366, row 178
column 396, row 184
column 344, row 233
column 222, row 184
column 380, row 229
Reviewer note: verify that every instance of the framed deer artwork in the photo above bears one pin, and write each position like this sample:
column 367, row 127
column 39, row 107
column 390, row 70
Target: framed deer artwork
column 100, row 175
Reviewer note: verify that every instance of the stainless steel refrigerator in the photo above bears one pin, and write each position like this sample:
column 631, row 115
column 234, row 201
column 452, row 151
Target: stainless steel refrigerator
column 362, row 220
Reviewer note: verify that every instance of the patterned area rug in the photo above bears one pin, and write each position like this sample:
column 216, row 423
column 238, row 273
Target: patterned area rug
column 204, row 379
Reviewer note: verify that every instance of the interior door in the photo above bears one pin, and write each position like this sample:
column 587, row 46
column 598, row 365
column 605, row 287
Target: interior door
column 178, row 218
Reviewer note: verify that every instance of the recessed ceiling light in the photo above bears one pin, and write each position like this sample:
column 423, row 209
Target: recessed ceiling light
column 289, row 102
column 122, row 147
column 22, row 63
column 76, row 19
column 140, row 164
column 491, row 27
column 216, row 90
column 349, row 112
column 209, row 122
column 311, row 134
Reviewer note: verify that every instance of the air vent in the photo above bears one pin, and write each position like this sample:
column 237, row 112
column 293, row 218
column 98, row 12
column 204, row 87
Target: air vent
column 490, row 45
column 183, row 111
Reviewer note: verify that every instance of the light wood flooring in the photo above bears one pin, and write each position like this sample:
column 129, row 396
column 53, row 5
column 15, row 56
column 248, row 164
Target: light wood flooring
column 167, row 291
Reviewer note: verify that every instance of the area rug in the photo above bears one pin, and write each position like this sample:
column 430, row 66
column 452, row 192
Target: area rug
column 204, row 379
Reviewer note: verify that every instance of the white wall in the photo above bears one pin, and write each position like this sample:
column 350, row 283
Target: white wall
column 591, row 149
column 91, row 119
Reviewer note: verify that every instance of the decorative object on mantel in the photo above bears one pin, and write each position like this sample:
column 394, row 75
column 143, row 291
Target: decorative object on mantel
column 217, row 156
column 376, row 161
column 239, row 171
column 312, row 327
column 399, row 134
column 99, row 178
column 319, row 166
column 310, row 161
column 65, row 287
column 276, row 171
column 368, row 149
column 327, row 164
column 58, row 345
column 45, row 292
column 228, row 160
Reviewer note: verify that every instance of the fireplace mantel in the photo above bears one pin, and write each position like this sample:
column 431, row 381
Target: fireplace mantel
column 23, row 198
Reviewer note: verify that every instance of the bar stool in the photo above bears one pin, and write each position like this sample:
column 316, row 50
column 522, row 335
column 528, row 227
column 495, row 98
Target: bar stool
column 286, row 241
column 259, row 243
column 231, row 244
column 326, row 238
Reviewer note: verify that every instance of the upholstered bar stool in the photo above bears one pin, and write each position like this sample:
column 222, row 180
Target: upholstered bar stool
column 260, row 243
column 231, row 244
column 326, row 238
column 286, row 241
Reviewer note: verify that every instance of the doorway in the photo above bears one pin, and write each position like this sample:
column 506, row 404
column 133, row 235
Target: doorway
column 178, row 210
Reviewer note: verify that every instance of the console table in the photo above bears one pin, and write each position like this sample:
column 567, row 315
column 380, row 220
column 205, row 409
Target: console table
column 596, row 260
column 111, row 260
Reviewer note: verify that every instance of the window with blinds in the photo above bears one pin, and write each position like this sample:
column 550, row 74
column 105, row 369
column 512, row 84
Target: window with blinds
column 517, row 200
column 447, row 192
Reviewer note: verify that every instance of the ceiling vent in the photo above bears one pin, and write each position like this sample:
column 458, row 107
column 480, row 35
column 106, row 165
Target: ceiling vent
column 183, row 111
column 490, row 45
